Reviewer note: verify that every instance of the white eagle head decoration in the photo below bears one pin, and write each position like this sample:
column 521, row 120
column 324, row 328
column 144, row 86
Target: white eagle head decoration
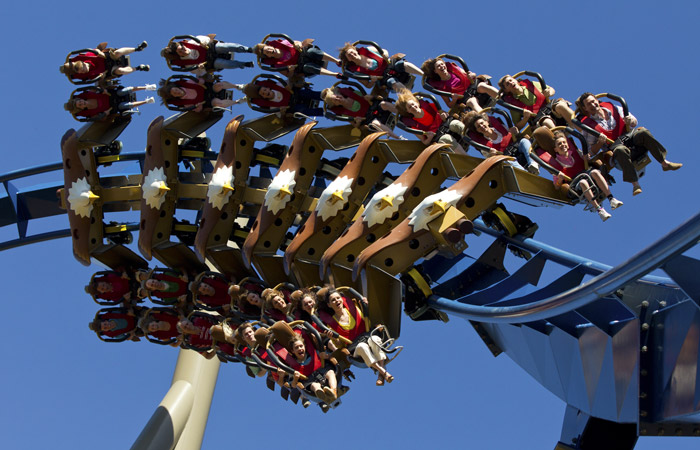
column 334, row 197
column 432, row 207
column 81, row 198
column 280, row 190
column 154, row 188
column 384, row 204
column 220, row 189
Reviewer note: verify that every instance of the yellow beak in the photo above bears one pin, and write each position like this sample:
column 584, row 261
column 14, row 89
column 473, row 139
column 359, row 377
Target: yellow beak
column 226, row 188
column 92, row 197
column 284, row 191
column 163, row 188
column 337, row 196
column 439, row 207
column 386, row 201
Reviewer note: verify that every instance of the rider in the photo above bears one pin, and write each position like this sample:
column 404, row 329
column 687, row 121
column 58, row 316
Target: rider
column 610, row 121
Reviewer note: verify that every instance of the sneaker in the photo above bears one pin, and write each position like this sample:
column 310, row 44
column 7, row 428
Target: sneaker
column 534, row 168
column 141, row 46
column 239, row 86
column 603, row 214
column 143, row 67
column 615, row 203
column 150, row 100
column 150, row 87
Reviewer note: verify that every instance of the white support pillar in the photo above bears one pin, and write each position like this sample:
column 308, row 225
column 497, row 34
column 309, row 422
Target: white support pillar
column 181, row 418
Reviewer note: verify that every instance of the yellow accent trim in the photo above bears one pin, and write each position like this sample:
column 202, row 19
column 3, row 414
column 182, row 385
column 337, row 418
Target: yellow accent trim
column 107, row 159
column 241, row 233
column 192, row 154
column 115, row 228
column 505, row 221
column 267, row 159
column 420, row 282
column 185, row 227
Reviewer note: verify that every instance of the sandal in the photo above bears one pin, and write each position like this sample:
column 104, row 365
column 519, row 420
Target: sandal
column 380, row 381
column 388, row 377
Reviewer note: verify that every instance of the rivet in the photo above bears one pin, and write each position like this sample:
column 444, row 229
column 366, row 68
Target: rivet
column 644, row 349
column 642, row 395
column 645, row 326
column 643, row 413
column 645, row 304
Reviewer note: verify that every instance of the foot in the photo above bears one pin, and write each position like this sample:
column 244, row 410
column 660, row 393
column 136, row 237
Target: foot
column 615, row 203
column 248, row 50
column 533, row 168
column 321, row 395
column 143, row 67
column 150, row 87
column 671, row 166
column 239, row 86
column 380, row 381
column 305, row 402
column 636, row 190
column 248, row 64
column 141, row 46
column 150, row 100
column 331, row 394
column 603, row 214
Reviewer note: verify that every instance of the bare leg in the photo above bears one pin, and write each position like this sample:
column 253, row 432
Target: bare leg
column 122, row 70
column 224, row 85
column 327, row 57
column 118, row 53
column 588, row 193
column 600, row 182
column 411, row 68
column 484, row 88
column 222, row 103
column 473, row 104
column 564, row 111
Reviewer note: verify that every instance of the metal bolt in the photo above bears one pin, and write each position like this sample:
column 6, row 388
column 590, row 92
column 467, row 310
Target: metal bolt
column 662, row 303
column 660, row 326
column 642, row 395
column 645, row 326
column 645, row 304
column 643, row 413
column 643, row 431
column 644, row 349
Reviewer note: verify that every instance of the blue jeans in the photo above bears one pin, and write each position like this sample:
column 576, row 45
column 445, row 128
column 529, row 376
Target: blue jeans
column 231, row 47
column 228, row 48
column 523, row 155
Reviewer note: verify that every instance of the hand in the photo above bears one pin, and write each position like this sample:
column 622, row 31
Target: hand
column 443, row 114
column 548, row 92
column 513, row 131
column 429, row 135
column 471, row 75
column 527, row 114
column 364, row 301
column 631, row 121
column 328, row 333
column 602, row 139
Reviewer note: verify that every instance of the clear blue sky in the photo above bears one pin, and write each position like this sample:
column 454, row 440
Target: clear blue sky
column 63, row 388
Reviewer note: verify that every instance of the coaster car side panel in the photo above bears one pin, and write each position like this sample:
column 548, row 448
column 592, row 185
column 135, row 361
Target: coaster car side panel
column 476, row 192
column 362, row 171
